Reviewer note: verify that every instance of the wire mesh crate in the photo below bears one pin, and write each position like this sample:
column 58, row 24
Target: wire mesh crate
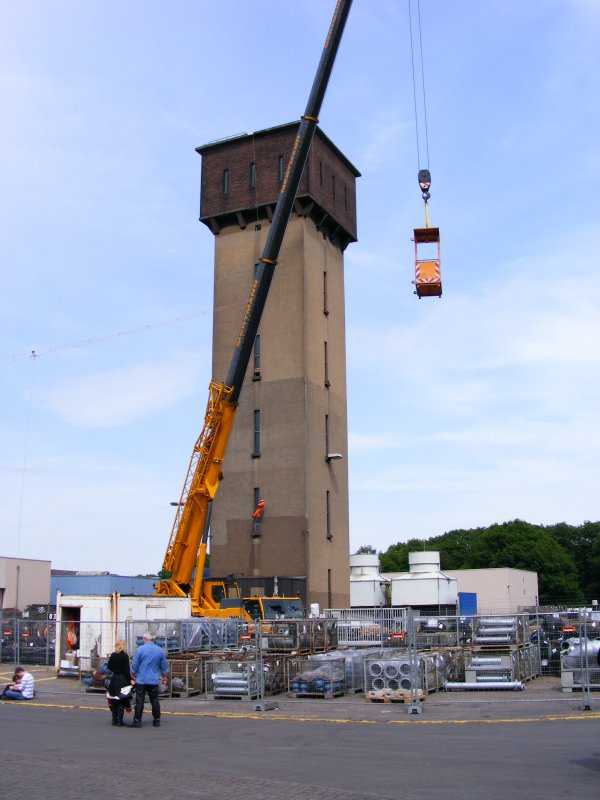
column 496, row 632
column 354, row 666
column 311, row 678
column 235, row 680
column 185, row 676
column 299, row 636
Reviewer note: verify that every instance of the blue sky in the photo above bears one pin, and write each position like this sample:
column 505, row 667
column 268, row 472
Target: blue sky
column 474, row 409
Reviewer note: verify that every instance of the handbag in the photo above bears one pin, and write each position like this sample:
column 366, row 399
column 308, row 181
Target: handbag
column 126, row 693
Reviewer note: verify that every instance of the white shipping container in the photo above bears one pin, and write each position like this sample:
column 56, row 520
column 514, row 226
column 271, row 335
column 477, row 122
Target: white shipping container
column 87, row 626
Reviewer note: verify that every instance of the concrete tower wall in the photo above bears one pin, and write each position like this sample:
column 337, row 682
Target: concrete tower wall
column 292, row 410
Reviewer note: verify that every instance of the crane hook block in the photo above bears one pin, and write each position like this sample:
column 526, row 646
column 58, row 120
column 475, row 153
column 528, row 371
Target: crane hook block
column 428, row 276
column 424, row 183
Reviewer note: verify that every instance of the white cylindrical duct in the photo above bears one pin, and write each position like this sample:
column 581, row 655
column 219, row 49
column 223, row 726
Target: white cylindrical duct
column 391, row 670
column 375, row 669
column 426, row 561
column 493, row 639
column 364, row 564
column 489, row 631
column 460, row 687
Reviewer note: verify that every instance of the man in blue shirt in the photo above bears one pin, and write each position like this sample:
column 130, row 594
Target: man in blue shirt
column 149, row 667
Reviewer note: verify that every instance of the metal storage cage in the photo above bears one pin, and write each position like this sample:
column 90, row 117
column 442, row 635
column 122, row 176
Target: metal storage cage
column 185, row 677
column 298, row 636
column 231, row 679
column 369, row 627
column 354, row 666
column 491, row 631
column 310, row 678
column 240, row 678
column 209, row 634
column 395, row 673
column 579, row 665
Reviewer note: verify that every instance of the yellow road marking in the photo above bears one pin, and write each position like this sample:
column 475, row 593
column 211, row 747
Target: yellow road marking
column 290, row 718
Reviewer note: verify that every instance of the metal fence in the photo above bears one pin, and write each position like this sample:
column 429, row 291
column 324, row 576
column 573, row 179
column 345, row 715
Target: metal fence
column 482, row 653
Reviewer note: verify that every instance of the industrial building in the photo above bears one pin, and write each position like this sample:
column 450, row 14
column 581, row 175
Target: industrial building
column 23, row 582
column 500, row 589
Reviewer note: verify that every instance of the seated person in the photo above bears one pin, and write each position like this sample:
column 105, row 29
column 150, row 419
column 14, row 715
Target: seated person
column 23, row 688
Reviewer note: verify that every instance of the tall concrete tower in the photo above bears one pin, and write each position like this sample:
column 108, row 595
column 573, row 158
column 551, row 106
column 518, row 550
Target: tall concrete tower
column 289, row 443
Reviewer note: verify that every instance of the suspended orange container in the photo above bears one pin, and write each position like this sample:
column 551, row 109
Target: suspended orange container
column 428, row 275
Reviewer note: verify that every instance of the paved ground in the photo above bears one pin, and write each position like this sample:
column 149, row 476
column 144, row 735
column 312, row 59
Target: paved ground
column 539, row 743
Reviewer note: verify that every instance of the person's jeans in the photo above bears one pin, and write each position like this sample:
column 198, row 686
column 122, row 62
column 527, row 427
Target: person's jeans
column 12, row 695
column 140, row 694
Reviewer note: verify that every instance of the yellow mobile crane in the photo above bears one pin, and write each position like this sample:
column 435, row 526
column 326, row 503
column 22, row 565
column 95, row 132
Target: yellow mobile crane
column 183, row 565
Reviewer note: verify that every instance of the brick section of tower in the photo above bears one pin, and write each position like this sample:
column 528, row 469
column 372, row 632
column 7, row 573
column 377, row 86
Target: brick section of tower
column 327, row 190
column 300, row 388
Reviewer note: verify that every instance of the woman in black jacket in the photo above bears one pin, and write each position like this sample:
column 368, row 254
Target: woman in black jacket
column 118, row 664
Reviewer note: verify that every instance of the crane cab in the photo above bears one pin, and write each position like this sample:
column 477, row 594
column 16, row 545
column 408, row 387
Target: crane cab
column 428, row 276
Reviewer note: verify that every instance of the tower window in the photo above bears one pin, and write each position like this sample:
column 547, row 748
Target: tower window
column 325, row 307
column 256, row 451
column 225, row 181
column 253, row 175
column 328, row 516
column 256, row 376
column 280, row 169
column 257, row 514
column 326, row 434
column 326, row 364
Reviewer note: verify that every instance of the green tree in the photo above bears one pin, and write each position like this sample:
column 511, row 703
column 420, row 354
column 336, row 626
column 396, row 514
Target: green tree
column 520, row 545
column 583, row 544
column 456, row 547
column 366, row 549
column 395, row 558
column 566, row 558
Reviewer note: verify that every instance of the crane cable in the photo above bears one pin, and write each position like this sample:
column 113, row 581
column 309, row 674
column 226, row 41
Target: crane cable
column 424, row 176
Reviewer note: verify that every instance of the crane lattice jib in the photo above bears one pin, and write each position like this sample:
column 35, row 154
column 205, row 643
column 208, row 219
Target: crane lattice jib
column 200, row 486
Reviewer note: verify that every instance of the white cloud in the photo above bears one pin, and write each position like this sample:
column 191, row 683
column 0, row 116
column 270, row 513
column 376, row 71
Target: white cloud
column 119, row 397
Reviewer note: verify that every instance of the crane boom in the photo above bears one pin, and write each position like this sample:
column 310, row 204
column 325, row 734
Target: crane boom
column 188, row 542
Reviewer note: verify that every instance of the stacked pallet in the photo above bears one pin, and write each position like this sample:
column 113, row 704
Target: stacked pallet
column 394, row 695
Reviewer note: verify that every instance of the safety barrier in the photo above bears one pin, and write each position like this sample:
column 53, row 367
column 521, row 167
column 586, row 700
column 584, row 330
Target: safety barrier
column 490, row 651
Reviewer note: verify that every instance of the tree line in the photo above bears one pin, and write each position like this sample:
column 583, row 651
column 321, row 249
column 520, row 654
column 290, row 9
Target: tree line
column 565, row 557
